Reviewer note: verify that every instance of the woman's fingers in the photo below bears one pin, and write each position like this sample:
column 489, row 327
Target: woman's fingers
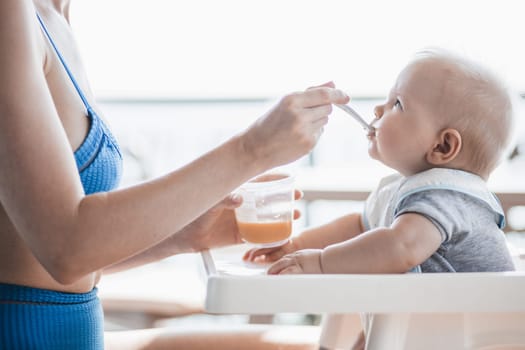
column 231, row 201
column 323, row 95
column 298, row 194
column 291, row 129
column 318, row 115
column 327, row 84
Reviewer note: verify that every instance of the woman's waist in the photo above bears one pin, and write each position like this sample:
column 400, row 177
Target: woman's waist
column 20, row 294
column 37, row 277
column 18, row 266
column 24, row 270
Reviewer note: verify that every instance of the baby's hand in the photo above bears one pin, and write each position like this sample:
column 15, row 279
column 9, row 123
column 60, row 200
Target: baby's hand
column 302, row 261
column 268, row 255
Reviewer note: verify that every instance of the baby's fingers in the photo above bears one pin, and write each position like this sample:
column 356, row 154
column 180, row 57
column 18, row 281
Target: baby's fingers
column 252, row 254
column 275, row 255
column 282, row 264
column 291, row 270
column 268, row 255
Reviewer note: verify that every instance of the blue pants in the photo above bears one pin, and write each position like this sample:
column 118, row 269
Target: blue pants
column 32, row 318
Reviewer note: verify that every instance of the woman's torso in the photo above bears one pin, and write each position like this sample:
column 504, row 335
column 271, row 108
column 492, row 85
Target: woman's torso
column 17, row 263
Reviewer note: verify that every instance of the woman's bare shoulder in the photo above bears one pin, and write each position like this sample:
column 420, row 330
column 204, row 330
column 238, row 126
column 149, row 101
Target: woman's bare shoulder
column 15, row 14
column 23, row 48
column 19, row 36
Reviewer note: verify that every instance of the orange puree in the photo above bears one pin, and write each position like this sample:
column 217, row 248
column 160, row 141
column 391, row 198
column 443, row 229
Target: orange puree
column 265, row 232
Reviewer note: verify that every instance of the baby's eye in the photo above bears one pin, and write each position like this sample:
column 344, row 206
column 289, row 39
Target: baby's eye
column 397, row 104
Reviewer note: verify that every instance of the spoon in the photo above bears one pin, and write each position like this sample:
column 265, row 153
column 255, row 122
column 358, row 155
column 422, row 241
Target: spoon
column 357, row 117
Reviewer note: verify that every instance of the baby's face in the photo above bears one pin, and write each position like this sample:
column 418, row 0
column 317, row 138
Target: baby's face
column 407, row 124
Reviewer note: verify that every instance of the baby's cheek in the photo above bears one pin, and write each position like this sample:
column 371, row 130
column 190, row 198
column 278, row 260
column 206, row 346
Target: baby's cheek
column 391, row 142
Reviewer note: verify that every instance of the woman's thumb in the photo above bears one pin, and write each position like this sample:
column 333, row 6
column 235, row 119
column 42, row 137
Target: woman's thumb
column 231, row 201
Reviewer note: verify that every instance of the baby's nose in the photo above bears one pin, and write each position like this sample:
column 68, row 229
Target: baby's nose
column 378, row 111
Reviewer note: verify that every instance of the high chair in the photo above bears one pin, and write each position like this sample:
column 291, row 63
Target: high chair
column 477, row 311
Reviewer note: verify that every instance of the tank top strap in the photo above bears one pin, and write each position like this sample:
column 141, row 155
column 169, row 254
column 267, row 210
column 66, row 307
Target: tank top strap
column 68, row 71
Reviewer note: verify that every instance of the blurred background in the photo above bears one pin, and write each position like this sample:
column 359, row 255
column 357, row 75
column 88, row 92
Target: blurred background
column 177, row 78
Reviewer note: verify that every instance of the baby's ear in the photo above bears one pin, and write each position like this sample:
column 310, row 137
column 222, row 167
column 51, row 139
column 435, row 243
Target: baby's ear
column 447, row 147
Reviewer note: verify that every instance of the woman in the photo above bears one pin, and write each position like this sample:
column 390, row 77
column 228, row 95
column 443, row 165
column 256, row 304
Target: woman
column 61, row 226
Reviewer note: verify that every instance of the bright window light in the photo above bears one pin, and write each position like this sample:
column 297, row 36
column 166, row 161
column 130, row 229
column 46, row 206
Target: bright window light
column 253, row 49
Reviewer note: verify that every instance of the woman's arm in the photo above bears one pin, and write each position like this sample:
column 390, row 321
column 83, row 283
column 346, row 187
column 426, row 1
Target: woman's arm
column 216, row 228
column 72, row 234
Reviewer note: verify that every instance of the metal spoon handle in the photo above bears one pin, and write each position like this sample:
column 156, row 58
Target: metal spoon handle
column 356, row 116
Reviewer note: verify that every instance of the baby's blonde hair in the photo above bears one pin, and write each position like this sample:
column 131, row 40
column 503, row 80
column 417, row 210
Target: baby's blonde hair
column 478, row 105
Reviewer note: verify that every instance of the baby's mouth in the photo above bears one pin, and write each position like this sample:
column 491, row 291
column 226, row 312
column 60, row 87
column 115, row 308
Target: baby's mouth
column 372, row 129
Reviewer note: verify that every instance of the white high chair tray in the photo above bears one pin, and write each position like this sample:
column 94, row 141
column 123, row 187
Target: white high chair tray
column 234, row 287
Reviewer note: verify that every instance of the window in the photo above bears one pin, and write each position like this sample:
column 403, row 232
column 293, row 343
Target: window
column 247, row 49
column 237, row 55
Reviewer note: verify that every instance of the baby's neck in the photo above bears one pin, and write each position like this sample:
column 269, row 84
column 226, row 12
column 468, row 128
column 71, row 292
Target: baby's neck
column 485, row 177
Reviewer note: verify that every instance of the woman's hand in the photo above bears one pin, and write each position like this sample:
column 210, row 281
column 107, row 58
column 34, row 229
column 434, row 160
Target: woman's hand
column 218, row 227
column 215, row 228
column 292, row 128
column 302, row 261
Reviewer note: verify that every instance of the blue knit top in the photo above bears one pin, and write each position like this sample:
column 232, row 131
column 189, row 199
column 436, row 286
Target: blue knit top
column 98, row 158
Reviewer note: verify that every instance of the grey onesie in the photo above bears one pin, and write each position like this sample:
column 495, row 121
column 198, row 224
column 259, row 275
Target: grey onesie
column 468, row 216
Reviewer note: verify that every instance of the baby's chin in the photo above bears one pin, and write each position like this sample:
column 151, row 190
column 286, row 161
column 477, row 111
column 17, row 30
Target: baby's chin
column 374, row 154
column 372, row 151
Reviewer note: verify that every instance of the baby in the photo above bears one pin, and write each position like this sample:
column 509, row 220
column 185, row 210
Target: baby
column 444, row 128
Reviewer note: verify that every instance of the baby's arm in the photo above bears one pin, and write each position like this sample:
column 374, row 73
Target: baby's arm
column 339, row 230
column 410, row 240
column 336, row 231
